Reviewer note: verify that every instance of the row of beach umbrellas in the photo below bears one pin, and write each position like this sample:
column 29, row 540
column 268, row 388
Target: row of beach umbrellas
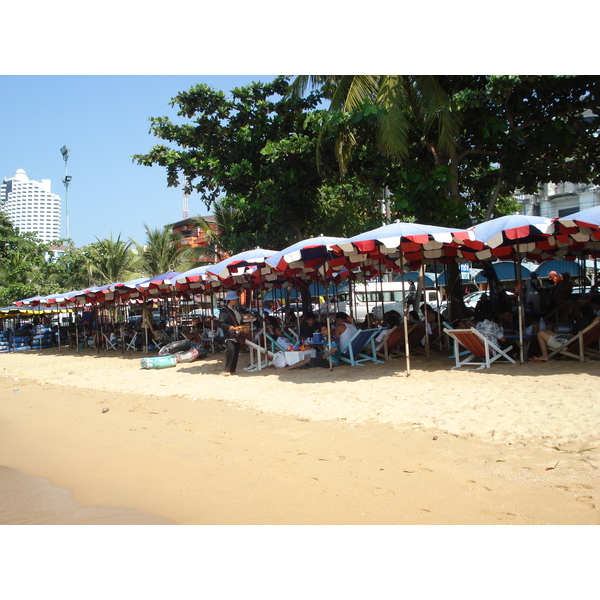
column 397, row 247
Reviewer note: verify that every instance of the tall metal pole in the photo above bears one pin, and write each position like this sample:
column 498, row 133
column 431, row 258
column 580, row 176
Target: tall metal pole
column 65, row 154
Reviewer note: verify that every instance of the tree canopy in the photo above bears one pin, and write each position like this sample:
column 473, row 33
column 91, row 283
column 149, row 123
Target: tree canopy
column 510, row 133
column 256, row 152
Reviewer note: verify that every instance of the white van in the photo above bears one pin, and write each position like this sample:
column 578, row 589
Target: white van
column 371, row 298
column 377, row 298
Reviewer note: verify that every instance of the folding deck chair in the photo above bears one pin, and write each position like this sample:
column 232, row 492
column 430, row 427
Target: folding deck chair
column 275, row 346
column 263, row 356
column 480, row 349
column 114, row 345
column 160, row 338
column 131, row 345
column 393, row 342
column 449, row 327
column 582, row 343
column 353, row 351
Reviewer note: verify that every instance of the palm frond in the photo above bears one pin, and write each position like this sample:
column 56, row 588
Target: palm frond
column 393, row 123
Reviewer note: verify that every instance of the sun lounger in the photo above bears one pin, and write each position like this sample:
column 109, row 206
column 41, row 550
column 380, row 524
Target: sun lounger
column 482, row 351
column 392, row 344
column 361, row 347
column 448, row 326
column 111, row 345
column 582, row 345
column 259, row 357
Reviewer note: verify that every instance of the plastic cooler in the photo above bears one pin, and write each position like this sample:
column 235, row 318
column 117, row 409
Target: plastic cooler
column 297, row 355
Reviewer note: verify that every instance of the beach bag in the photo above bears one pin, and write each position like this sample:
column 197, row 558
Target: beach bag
column 279, row 361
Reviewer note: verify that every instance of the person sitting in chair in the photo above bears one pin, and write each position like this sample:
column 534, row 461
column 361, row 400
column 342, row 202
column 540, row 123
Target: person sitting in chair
column 344, row 330
column 547, row 338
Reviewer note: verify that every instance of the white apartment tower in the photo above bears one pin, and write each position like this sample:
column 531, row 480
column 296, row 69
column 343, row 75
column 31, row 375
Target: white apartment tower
column 31, row 206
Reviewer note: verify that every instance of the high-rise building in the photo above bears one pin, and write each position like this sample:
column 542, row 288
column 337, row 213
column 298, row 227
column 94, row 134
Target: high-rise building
column 31, row 206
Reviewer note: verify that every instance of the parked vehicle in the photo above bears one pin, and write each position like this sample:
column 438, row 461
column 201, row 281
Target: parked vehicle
column 470, row 300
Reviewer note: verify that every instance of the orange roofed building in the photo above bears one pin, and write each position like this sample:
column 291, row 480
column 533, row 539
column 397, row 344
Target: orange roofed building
column 194, row 236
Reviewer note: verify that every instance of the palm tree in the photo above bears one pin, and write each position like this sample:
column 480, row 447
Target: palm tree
column 164, row 252
column 17, row 268
column 225, row 220
column 398, row 99
column 112, row 260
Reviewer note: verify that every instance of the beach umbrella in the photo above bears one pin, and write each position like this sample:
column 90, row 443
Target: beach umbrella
column 236, row 267
column 588, row 219
column 33, row 301
column 194, row 279
column 405, row 246
column 512, row 237
column 159, row 285
column 127, row 290
column 306, row 258
column 583, row 231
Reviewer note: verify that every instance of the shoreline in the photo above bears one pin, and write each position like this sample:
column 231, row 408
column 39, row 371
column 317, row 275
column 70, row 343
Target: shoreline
column 352, row 446
column 26, row 500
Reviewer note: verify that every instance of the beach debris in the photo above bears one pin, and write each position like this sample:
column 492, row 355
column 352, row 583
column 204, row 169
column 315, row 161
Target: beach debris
column 554, row 467
column 16, row 390
column 105, row 409
column 435, row 437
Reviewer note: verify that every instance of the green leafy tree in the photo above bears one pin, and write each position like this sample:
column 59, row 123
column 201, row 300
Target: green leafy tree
column 73, row 269
column 23, row 265
column 486, row 135
column 255, row 153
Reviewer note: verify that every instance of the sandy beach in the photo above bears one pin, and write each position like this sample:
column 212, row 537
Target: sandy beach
column 357, row 445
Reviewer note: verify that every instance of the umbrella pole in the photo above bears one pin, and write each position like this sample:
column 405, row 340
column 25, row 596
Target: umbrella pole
column 405, row 316
column 367, row 295
column 427, row 344
column 520, row 305
column 58, row 318
column 437, row 305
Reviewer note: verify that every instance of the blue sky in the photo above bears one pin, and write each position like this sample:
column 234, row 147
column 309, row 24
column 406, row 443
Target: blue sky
column 103, row 119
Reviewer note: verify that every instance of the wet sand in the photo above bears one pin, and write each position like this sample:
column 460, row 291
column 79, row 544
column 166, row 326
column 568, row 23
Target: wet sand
column 26, row 500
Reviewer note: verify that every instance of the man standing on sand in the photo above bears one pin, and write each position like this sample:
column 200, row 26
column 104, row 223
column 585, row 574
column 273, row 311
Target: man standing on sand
column 229, row 320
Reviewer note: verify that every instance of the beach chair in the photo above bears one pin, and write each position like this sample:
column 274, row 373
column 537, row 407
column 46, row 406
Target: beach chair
column 582, row 345
column 259, row 357
column 160, row 338
column 132, row 344
column 482, row 352
column 361, row 347
column 448, row 326
column 275, row 346
column 392, row 344
column 114, row 345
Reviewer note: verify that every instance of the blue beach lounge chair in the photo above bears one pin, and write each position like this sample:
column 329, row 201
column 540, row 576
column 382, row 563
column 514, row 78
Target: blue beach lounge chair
column 361, row 347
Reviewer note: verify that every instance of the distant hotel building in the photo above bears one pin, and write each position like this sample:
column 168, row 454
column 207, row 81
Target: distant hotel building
column 31, row 206
column 559, row 199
